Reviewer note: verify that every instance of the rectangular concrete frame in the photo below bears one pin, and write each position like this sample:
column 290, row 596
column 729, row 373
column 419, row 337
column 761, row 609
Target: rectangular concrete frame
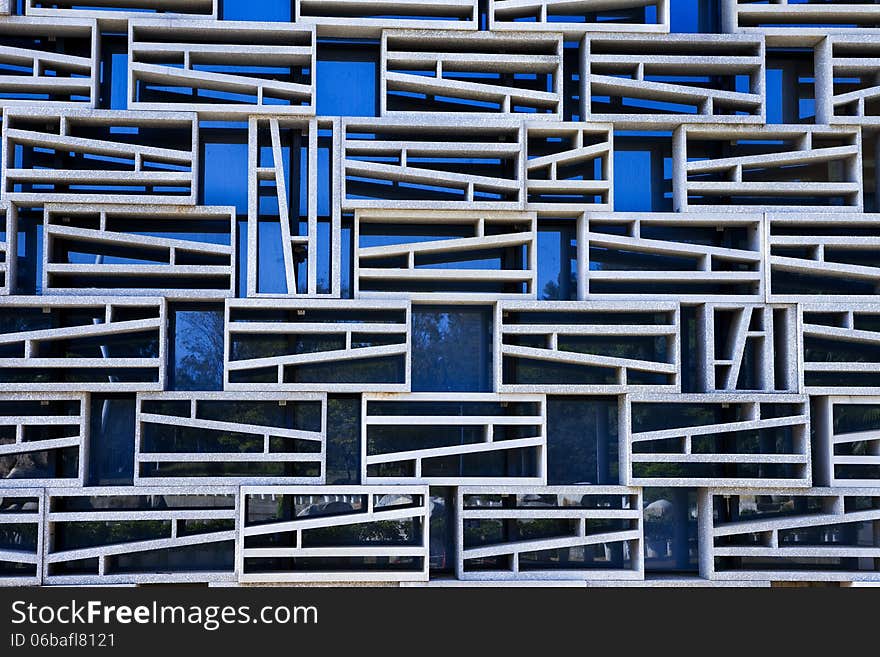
column 266, row 432
column 349, row 353
column 421, row 514
column 801, row 152
column 278, row 175
column 797, row 17
column 800, row 423
column 251, row 44
column 847, row 332
column 539, row 443
column 776, row 346
column 104, row 552
column 22, row 447
column 501, row 18
column 87, row 68
column 107, row 118
column 490, row 52
column 442, row 143
column 357, row 19
column 827, row 253
column 583, row 188
column 553, row 354
column 827, row 438
column 55, row 215
column 645, row 55
column 32, row 338
column 707, row 270
column 116, row 19
column 708, row 531
column 632, row 538
column 24, row 517
column 844, row 56
column 516, row 236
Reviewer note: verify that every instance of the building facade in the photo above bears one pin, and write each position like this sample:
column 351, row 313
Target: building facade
column 440, row 292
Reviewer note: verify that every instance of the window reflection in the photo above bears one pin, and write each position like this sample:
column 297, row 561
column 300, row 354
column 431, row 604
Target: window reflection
column 111, row 440
column 452, row 349
column 582, row 440
column 670, row 525
column 196, row 359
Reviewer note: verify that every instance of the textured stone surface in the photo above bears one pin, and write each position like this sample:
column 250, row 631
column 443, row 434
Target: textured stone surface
column 730, row 339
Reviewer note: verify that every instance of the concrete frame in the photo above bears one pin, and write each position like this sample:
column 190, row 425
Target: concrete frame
column 828, row 437
column 25, row 516
column 751, row 404
column 770, row 330
column 265, row 433
column 502, row 14
column 834, row 512
column 605, row 58
column 439, row 139
column 520, row 231
column 629, row 539
column 230, row 43
column 711, row 264
column 75, row 75
column 488, row 423
column 357, row 19
column 827, row 243
column 22, row 446
column 116, row 512
column 281, row 175
column 782, row 19
column 551, row 184
column 184, row 157
column 729, row 281
column 509, row 54
column 801, row 149
column 838, row 322
column 116, row 20
column 401, row 348
column 154, row 366
column 299, row 526
column 597, row 311
column 165, row 251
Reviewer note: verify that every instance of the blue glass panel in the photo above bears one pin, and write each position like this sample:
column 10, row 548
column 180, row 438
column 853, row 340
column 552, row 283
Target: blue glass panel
column 442, row 544
column 119, row 83
column 774, row 95
column 196, row 355
column 111, row 440
column 29, row 252
column 263, row 10
column 325, row 174
column 582, row 440
column 325, row 253
column 346, row 258
column 224, row 175
column 343, row 439
column 632, row 181
column 271, row 277
column 241, row 257
column 643, row 171
column 557, row 260
column 347, row 81
column 691, row 16
column 114, row 72
column 452, row 349
column 670, row 516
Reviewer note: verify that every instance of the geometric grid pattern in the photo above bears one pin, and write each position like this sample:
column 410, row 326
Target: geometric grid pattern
column 439, row 292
